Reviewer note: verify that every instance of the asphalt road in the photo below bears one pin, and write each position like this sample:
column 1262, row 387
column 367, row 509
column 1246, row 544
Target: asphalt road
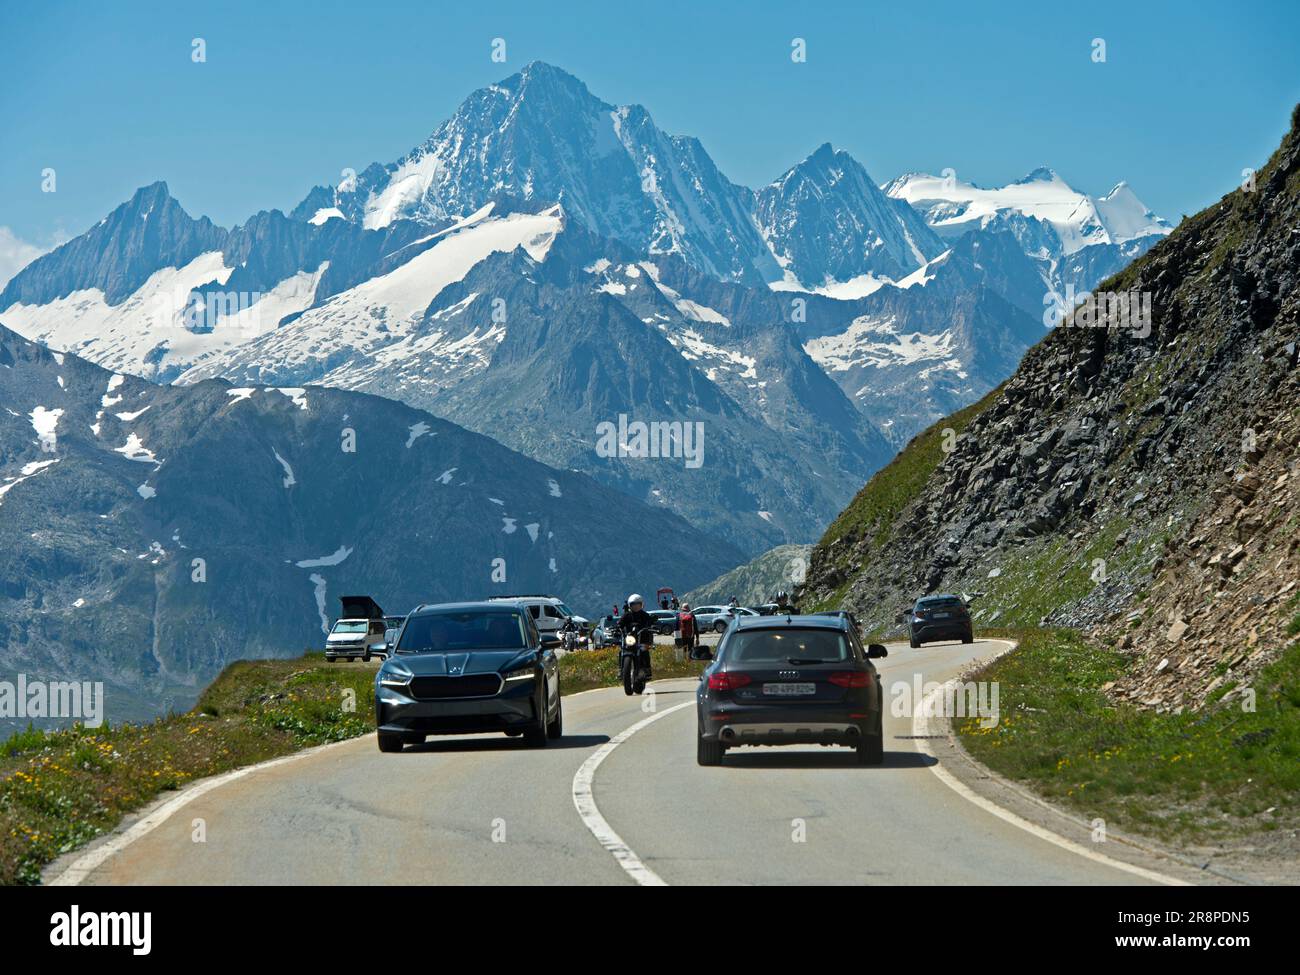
column 485, row 810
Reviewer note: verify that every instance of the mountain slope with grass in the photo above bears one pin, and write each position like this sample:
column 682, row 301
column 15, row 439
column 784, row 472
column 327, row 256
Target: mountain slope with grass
column 1133, row 479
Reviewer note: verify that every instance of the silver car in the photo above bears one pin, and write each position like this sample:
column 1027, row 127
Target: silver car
column 718, row 618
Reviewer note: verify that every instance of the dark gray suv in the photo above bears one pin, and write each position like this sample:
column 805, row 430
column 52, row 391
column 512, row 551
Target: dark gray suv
column 791, row 680
column 467, row 668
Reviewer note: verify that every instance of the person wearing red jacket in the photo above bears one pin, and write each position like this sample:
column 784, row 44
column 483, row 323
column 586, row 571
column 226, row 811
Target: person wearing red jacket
column 688, row 634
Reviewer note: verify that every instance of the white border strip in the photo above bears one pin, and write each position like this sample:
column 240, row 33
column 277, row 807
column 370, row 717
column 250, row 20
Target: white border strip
column 585, row 802
column 921, row 729
column 81, row 868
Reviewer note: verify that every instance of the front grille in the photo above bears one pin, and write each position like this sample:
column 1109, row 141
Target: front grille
column 439, row 688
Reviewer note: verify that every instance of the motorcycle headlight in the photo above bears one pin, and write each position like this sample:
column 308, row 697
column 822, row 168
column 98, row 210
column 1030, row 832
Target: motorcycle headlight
column 520, row 673
column 629, row 640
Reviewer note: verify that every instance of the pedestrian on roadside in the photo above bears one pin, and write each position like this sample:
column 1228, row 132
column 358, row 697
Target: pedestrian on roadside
column 688, row 632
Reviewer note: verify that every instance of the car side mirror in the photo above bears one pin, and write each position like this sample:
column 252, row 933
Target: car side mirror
column 875, row 651
column 550, row 642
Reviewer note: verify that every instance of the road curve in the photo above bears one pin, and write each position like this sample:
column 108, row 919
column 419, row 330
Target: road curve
column 486, row 810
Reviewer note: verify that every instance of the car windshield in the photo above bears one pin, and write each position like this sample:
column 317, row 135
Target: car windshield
column 785, row 645
column 564, row 609
column 458, row 632
column 351, row 626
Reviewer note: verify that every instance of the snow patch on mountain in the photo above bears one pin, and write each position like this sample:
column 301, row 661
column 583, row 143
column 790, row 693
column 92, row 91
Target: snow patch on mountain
column 952, row 205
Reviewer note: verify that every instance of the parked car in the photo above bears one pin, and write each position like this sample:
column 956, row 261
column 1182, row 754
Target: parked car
column 942, row 617
column 466, row 668
column 358, row 632
column 665, row 621
column 602, row 634
column 718, row 618
column 791, row 680
column 548, row 612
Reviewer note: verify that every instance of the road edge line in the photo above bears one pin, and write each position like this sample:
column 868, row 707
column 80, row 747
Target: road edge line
column 584, row 801
column 118, row 840
column 921, row 732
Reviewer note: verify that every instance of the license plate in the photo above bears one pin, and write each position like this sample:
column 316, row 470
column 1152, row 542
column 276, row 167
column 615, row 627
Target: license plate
column 942, row 616
column 789, row 690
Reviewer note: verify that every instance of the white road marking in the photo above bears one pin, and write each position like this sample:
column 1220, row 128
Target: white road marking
column 81, row 868
column 87, row 863
column 585, row 803
column 922, row 729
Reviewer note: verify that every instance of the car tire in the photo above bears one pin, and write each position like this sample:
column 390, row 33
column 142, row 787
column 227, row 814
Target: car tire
column 915, row 644
column 535, row 737
column 555, row 730
column 719, row 627
column 389, row 742
column 331, row 660
column 968, row 638
column 708, row 753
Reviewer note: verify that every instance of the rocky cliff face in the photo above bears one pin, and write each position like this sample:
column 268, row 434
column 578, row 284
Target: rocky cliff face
column 758, row 581
column 1136, row 476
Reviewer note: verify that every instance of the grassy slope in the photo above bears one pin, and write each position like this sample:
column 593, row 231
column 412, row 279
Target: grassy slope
column 1204, row 777
column 875, row 508
column 59, row 791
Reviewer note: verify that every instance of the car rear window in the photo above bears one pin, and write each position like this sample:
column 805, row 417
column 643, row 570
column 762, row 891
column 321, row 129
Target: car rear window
column 951, row 602
column 783, row 645
column 463, row 632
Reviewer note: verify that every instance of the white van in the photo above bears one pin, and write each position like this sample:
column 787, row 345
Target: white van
column 548, row 612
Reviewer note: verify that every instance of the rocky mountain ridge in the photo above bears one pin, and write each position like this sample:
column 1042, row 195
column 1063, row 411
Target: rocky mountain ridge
column 1135, row 477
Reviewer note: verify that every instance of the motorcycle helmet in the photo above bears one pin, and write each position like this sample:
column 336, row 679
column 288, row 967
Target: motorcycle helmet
column 634, row 600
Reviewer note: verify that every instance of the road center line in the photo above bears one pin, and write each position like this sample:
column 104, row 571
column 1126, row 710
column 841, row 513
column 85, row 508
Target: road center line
column 585, row 802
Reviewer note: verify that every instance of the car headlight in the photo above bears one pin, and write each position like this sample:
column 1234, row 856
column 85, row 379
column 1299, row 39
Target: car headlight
column 394, row 678
column 520, row 673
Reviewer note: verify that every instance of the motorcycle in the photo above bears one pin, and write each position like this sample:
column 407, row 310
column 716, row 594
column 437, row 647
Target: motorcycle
column 568, row 634
column 634, row 658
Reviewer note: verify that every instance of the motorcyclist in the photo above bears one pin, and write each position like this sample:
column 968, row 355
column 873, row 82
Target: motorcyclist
column 635, row 619
column 568, row 634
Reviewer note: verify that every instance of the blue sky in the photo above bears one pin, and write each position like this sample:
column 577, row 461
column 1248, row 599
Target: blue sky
column 107, row 95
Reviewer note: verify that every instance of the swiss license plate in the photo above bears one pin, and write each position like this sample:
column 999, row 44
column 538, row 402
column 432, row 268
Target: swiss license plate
column 789, row 690
column 942, row 616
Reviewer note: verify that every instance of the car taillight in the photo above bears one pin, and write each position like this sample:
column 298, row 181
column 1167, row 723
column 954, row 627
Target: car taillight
column 728, row 682
column 851, row 678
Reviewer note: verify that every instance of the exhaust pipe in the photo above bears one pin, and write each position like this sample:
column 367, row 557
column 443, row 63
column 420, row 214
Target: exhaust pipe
column 728, row 734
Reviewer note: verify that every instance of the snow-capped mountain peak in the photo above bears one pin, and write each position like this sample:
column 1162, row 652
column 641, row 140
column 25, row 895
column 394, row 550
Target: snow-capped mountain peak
column 952, row 206
column 542, row 135
column 832, row 230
